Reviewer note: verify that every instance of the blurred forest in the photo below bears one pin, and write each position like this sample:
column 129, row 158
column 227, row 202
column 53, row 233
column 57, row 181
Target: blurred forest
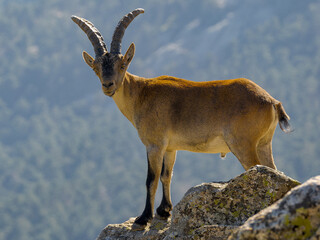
column 70, row 163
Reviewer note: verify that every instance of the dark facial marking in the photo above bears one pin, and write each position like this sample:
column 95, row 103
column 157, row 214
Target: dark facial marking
column 107, row 62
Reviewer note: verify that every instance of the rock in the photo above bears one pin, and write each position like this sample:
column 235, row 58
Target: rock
column 228, row 205
column 296, row 216
column 213, row 210
column 155, row 230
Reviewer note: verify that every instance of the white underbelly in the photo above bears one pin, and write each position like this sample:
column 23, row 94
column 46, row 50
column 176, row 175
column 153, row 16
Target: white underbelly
column 212, row 145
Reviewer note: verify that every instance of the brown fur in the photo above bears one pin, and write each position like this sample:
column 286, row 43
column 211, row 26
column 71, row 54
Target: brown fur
column 173, row 114
column 212, row 117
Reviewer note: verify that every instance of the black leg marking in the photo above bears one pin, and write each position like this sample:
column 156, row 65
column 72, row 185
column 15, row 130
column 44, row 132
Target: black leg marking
column 146, row 216
column 162, row 169
column 163, row 211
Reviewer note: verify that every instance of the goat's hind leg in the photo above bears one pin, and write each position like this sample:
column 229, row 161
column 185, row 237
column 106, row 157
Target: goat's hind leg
column 163, row 211
column 246, row 153
column 155, row 159
column 265, row 154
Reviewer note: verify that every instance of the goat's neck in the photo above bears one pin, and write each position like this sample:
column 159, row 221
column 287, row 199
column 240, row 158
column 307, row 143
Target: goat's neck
column 125, row 97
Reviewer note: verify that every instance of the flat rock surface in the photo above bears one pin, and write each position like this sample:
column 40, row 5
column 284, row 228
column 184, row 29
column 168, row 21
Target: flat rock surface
column 155, row 230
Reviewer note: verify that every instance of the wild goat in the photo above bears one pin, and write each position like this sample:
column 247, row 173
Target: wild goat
column 173, row 114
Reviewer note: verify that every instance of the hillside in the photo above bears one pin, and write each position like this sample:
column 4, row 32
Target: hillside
column 70, row 163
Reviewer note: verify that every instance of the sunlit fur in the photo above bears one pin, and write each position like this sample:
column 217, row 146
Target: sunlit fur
column 173, row 114
column 214, row 117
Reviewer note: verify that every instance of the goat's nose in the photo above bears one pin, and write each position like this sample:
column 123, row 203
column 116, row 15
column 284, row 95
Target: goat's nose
column 107, row 85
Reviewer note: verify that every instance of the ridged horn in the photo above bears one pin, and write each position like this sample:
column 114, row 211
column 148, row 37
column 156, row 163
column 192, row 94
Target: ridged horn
column 120, row 29
column 93, row 34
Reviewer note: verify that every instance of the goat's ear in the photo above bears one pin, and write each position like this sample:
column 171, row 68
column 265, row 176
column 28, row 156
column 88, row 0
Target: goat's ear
column 88, row 59
column 129, row 54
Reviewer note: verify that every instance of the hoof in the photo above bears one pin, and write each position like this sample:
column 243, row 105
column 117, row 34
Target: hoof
column 138, row 227
column 162, row 214
column 157, row 216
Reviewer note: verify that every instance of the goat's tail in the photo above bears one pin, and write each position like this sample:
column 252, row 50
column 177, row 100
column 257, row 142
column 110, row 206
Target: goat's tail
column 283, row 118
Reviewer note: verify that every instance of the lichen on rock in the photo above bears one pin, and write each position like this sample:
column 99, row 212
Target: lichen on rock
column 230, row 204
column 123, row 231
column 295, row 216
column 213, row 210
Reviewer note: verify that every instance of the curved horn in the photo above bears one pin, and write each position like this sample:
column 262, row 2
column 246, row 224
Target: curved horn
column 93, row 34
column 120, row 29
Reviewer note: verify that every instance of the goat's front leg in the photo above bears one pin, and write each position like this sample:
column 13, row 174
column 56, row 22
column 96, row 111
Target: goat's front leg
column 163, row 211
column 155, row 159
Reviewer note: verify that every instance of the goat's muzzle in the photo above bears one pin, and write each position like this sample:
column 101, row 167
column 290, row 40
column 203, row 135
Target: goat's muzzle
column 108, row 89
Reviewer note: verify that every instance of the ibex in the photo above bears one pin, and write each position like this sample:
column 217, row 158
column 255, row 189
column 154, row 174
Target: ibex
column 173, row 114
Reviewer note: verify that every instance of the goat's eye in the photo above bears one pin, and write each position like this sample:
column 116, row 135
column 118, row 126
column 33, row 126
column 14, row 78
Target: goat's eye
column 123, row 66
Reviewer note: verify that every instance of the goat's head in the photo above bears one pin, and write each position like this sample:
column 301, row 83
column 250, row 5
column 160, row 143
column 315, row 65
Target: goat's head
column 111, row 66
